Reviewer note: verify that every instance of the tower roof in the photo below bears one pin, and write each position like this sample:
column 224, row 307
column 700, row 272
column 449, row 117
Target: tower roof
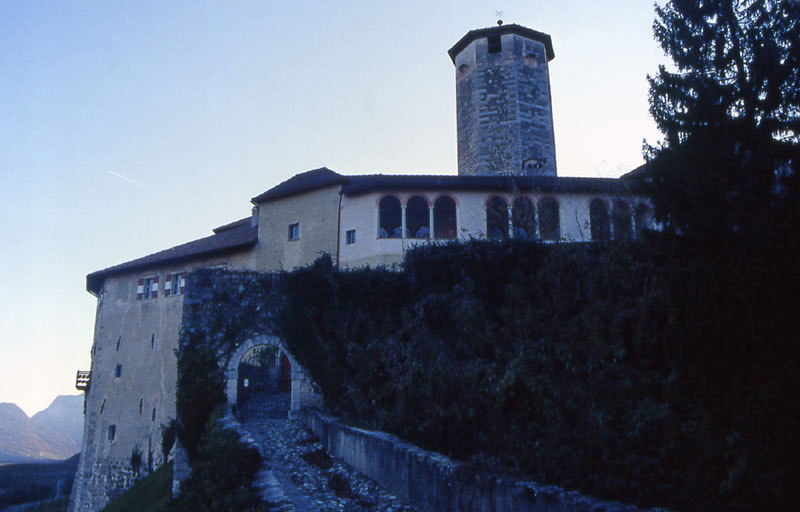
column 498, row 31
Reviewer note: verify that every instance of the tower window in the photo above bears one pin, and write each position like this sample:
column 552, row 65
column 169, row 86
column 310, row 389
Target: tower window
column 495, row 46
column 118, row 371
column 112, row 433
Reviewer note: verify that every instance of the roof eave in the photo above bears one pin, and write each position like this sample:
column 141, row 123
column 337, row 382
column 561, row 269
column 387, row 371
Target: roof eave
column 500, row 30
column 95, row 280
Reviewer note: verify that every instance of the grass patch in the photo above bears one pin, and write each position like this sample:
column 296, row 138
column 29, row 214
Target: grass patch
column 150, row 494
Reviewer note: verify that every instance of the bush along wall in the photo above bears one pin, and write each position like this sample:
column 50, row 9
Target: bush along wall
column 658, row 373
column 638, row 373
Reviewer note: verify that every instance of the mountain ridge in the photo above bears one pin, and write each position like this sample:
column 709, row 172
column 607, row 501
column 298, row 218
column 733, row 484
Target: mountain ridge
column 50, row 434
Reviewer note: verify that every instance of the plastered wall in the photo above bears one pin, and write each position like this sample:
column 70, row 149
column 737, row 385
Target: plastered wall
column 140, row 336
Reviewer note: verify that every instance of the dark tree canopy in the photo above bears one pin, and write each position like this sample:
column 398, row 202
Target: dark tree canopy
column 729, row 110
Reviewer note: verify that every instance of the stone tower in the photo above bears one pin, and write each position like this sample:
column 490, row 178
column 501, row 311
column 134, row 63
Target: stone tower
column 504, row 110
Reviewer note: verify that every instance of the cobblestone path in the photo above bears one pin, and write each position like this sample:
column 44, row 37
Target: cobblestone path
column 300, row 476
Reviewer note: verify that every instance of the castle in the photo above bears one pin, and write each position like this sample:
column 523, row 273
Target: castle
column 506, row 187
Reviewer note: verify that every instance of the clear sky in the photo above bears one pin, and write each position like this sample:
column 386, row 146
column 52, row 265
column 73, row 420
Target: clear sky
column 130, row 127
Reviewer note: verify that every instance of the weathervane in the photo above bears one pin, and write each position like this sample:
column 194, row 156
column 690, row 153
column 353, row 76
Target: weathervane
column 499, row 15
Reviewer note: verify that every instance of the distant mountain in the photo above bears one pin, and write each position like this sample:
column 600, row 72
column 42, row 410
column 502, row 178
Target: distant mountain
column 64, row 415
column 24, row 439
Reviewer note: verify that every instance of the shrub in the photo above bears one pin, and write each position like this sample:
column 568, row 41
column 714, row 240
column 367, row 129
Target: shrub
column 222, row 474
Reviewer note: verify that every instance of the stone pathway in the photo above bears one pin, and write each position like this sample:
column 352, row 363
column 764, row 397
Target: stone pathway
column 300, row 476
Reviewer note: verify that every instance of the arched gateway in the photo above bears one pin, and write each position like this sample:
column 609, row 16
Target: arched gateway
column 261, row 372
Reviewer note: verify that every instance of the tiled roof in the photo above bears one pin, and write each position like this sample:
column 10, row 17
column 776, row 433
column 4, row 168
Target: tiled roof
column 356, row 185
column 228, row 238
column 359, row 184
column 302, row 182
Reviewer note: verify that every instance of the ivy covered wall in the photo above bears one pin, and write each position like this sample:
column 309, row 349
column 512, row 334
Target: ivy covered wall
column 658, row 373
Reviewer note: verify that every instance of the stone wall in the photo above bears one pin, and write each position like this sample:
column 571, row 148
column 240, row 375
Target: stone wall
column 430, row 481
column 233, row 312
column 504, row 111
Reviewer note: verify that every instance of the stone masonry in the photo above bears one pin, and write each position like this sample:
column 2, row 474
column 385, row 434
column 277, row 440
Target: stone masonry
column 504, row 109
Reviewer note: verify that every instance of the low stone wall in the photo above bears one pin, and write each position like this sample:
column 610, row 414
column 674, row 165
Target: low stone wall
column 432, row 482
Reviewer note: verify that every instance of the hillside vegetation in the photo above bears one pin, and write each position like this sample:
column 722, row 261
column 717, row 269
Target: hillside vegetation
column 24, row 439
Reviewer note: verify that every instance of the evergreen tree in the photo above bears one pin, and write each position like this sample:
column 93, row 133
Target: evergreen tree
column 729, row 110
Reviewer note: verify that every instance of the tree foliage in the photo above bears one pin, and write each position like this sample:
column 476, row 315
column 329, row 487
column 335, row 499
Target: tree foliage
column 729, row 110
column 627, row 371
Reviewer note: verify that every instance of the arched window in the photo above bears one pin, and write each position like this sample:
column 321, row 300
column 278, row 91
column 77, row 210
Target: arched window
column 598, row 219
column 497, row 218
column 549, row 221
column 417, row 218
column 444, row 218
column 623, row 222
column 390, row 216
column 523, row 218
column 644, row 218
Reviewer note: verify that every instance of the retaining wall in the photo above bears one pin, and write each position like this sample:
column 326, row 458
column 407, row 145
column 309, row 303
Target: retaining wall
column 434, row 483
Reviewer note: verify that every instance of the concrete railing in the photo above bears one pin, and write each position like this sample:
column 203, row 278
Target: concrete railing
column 432, row 482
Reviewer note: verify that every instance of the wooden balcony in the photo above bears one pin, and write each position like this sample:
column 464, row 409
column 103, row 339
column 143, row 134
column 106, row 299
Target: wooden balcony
column 83, row 380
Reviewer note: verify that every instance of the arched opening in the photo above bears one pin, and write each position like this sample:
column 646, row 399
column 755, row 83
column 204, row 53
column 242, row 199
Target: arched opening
column 262, row 389
column 390, row 218
column 598, row 220
column 523, row 219
column 549, row 219
column 644, row 218
column 417, row 218
column 444, row 218
column 623, row 222
column 497, row 218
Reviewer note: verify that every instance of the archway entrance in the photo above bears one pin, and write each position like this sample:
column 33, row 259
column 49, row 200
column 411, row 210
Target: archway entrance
column 263, row 383
column 276, row 384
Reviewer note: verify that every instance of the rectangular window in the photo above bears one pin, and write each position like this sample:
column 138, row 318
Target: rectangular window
column 112, row 432
column 148, row 288
column 118, row 371
column 294, row 231
column 495, row 46
column 174, row 284
column 350, row 236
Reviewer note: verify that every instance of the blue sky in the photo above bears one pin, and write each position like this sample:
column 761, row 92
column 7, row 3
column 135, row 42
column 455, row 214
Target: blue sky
column 129, row 127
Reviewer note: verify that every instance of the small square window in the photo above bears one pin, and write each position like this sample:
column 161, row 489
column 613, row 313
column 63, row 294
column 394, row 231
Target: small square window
column 294, row 231
column 118, row 371
column 350, row 236
column 112, row 432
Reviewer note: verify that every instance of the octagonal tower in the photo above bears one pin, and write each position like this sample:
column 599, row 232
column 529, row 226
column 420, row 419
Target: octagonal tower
column 504, row 110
